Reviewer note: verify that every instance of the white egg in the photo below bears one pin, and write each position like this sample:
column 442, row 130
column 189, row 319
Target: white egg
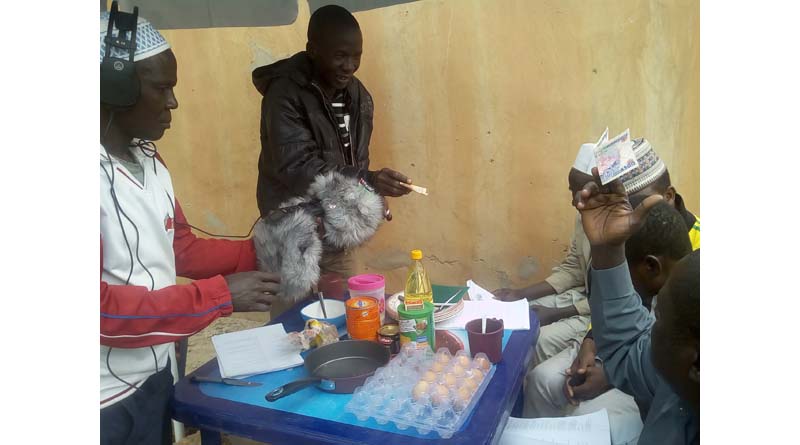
column 483, row 363
column 429, row 376
column 420, row 390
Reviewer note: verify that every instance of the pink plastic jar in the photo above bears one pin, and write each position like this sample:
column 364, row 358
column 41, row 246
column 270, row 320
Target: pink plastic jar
column 369, row 285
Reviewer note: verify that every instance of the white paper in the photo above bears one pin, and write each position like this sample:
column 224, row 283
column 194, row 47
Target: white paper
column 515, row 314
column 477, row 293
column 591, row 429
column 255, row 351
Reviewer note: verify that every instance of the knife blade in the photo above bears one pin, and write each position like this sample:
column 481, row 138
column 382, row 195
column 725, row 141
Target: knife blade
column 226, row 381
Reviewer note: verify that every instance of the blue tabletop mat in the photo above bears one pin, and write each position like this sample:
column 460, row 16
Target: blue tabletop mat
column 310, row 401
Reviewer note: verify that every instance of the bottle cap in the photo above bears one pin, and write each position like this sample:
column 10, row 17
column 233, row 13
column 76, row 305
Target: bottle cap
column 416, row 254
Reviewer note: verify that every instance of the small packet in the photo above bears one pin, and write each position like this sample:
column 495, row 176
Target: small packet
column 316, row 333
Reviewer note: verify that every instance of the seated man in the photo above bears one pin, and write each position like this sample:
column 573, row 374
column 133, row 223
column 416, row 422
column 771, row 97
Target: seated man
column 560, row 300
column 651, row 253
column 145, row 243
column 651, row 178
column 654, row 359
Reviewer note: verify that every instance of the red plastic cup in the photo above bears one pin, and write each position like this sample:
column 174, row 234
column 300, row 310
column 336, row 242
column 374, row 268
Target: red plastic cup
column 490, row 343
column 332, row 286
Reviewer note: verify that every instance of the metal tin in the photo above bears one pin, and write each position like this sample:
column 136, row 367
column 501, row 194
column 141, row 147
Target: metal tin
column 389, row 337
column 417, row 326
column 363, row 318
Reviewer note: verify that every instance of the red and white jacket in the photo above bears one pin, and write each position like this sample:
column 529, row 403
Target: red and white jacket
column 134, row 318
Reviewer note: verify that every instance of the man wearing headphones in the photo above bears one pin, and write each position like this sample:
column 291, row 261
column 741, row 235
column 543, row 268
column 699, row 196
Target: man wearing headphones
column 145, row 242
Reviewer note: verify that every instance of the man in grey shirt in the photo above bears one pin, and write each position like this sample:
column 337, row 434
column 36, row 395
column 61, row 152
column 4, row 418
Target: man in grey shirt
column 658, row 363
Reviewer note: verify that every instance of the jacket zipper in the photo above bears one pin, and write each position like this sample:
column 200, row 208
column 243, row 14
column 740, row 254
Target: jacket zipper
column 335, row 125
column 354, row 124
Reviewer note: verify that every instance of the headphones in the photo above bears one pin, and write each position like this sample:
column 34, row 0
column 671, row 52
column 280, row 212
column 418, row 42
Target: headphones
column 119, row 84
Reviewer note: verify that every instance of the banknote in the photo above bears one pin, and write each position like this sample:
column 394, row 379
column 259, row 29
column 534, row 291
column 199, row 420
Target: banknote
column 615, row 157
column 603, row 139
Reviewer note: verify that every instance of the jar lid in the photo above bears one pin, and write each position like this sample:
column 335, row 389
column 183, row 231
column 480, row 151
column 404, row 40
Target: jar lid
column 366, row 282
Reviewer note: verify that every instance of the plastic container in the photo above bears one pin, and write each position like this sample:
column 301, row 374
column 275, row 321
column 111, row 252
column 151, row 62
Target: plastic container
column 432, row 393
column 332, row 286
column 370, row 285
column 363, row 318
column 489, row 342
column 418, row 286
column 416, row 326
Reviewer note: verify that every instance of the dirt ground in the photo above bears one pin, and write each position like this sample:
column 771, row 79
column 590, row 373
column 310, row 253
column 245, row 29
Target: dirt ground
column 201, row 350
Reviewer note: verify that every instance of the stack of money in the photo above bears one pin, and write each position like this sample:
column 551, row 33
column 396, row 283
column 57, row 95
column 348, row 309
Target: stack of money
column 615, row 156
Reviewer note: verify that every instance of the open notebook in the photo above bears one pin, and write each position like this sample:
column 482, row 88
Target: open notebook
column 255, row 351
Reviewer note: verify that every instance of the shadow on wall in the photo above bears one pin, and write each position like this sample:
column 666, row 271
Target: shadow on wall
column 187, row 14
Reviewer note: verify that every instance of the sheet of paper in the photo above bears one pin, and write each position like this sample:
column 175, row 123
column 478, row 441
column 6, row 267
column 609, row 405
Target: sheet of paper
column 255, row 351
column 591, row 429
column 477, row 293
column 515, row 314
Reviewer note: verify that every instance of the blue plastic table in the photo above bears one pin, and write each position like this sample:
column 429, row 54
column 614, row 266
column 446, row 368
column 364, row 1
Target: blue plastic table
column 214, row 415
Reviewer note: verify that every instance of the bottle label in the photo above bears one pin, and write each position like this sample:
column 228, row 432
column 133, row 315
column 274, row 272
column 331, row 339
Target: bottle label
column 414, row 303
column 416, row 330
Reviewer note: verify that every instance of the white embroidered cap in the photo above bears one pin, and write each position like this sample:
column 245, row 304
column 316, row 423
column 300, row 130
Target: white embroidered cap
column 651, row 167
column 149, row 41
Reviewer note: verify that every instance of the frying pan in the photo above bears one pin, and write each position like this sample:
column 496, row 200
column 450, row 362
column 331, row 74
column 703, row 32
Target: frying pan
column 339, row 367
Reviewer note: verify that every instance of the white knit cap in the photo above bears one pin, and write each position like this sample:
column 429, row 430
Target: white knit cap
column 585, row 160
column 149, row 41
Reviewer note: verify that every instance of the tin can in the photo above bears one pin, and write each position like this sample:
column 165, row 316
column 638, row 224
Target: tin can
column 417, row 326
column 389, row 337
column 363, row 318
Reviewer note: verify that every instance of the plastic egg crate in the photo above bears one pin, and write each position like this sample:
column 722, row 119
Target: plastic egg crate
column 422, row 390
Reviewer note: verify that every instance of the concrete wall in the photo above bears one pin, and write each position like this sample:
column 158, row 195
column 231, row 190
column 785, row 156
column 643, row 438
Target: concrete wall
column 483, row 102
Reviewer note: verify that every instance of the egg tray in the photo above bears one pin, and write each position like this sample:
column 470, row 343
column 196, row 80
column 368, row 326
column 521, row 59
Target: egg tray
column 394, row 393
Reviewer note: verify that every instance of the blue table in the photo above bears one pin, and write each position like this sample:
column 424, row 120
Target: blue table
column 215, row 415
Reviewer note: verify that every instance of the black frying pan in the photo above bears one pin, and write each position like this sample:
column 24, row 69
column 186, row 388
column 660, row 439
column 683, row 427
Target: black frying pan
column 339, row 367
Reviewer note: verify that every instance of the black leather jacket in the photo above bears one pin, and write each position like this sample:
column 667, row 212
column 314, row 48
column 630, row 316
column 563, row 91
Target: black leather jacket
column 299, row 137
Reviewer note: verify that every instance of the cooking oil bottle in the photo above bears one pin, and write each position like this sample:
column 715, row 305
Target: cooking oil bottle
column 418, row 285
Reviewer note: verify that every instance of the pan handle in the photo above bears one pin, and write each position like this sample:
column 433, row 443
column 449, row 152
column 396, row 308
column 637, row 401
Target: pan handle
column 291, row 388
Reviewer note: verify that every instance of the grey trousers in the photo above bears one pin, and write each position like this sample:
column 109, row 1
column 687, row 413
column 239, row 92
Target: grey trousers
column 557, row 336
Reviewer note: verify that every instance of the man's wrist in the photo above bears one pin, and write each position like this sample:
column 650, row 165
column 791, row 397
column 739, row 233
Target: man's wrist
column 369, row 176
column 607, row 256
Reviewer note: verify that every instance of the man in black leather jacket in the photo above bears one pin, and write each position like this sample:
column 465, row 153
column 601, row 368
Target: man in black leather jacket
column 316, row 116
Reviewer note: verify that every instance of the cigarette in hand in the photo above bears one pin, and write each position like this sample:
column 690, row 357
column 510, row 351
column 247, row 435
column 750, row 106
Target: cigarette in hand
column 416, row 188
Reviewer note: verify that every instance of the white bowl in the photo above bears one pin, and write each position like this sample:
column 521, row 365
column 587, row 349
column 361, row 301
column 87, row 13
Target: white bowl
column 334, row 308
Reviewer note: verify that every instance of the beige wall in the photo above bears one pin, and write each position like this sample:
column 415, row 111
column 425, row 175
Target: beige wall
column 483, row 102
